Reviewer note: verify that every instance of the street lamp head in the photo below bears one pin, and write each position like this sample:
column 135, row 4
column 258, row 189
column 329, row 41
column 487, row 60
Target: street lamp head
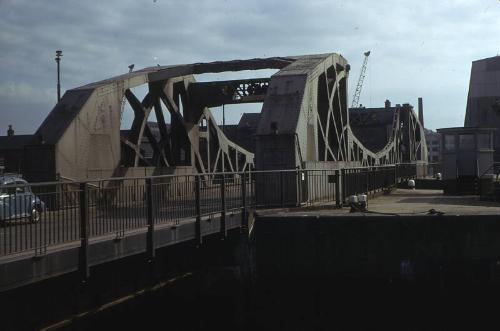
column 58, row 55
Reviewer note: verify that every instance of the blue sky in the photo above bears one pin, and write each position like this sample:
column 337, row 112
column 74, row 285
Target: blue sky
column 419, row 49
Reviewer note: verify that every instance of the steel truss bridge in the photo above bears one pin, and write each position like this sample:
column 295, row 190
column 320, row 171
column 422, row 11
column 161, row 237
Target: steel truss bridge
column 304, row 120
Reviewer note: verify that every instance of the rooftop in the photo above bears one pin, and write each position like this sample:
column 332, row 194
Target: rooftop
column 16, row 141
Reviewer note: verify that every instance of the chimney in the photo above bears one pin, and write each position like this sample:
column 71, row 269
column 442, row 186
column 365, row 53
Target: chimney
column 387, row 104
column 421, row 112
column 10, row 131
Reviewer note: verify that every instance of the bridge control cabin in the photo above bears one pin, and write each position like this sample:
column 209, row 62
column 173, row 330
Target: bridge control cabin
column 467, row 158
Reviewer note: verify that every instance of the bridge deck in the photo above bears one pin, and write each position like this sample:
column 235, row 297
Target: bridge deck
column 404, row 202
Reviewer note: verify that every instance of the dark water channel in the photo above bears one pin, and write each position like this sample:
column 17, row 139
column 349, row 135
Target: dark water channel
column 441, row 297
column 301, row 274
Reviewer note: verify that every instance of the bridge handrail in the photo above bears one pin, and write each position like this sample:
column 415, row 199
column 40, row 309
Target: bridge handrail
column 227, row 173
column 106, row 209
column 493, row 165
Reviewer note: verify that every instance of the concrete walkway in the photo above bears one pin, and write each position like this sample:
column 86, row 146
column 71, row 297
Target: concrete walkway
column 405, row 202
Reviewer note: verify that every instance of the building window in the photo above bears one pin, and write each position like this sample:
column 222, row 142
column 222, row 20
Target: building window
column 484, row 141
column 449, row 143
column 466, row 141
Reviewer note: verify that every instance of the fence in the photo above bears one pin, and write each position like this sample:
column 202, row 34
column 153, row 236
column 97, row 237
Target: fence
column 34, row 217
column 369, row 180
column 406, row 171
column 433, row 169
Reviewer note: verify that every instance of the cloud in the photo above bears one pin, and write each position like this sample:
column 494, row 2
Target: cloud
column 24, row 91
column 20, row 105
column 421, row 48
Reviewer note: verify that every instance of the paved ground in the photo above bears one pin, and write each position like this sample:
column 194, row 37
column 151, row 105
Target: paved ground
column 421, row 201
column 403, row 202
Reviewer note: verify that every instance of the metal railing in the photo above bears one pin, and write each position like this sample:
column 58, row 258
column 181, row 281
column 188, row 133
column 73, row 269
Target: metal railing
column 433, row 169
column 34, row 217
column 406, row 171
column 493, row 170
column 488, row 183
column 370, row 180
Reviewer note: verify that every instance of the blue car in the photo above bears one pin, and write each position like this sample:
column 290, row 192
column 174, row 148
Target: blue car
column 17, row 201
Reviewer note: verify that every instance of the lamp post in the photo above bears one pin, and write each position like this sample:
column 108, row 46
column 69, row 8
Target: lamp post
column 223, row 118
column 58, row 60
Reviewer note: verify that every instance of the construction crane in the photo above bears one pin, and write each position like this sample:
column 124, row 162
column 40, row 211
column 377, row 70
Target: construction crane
column 355, row 99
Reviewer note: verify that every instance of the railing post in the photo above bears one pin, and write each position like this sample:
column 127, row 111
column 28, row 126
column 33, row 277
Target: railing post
column 198, row 209
column 338, row 200
column 299, row 187
column 343, row 181
column 244, row 219
column 223, row 205
column 372, row 180
column 396, row 175
column 367, row 179
column 282, row 190
column 151, row 223
column 254, row 187
column 83, row 262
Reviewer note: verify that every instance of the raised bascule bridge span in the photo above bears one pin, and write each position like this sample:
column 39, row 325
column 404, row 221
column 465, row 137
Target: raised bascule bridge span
column 304, row 122
column 131, row 207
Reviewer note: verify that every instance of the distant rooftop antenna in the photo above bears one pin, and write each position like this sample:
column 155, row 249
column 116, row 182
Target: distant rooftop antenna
column 421, row 112
column 10, row 131
column 357, row 93
column 58, row 61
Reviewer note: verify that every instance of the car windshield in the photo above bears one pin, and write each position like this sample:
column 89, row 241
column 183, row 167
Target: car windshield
column 7, row 189
column 13, row 186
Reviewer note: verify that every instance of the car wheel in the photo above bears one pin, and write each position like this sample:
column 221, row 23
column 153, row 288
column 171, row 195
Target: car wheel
column 35, row 214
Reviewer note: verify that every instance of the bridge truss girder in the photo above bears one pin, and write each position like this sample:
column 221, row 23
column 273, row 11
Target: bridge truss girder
column 304, row 118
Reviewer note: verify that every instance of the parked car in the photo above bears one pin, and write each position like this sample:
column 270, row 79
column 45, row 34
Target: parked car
column 17, row 200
